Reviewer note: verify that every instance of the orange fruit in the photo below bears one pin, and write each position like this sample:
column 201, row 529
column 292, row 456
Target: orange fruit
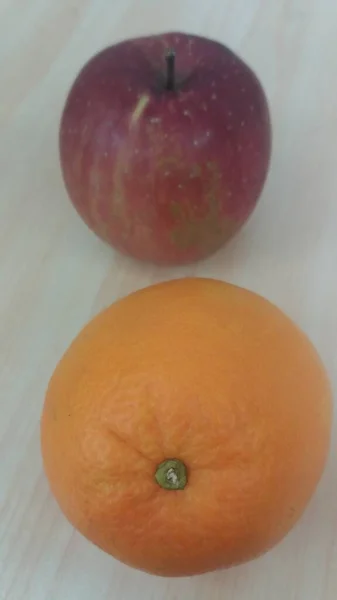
column 187, row 427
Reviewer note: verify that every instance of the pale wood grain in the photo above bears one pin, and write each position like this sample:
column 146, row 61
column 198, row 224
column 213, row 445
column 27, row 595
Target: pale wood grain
column 55, row 274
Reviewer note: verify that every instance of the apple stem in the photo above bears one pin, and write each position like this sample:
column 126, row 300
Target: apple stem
column 170, row 61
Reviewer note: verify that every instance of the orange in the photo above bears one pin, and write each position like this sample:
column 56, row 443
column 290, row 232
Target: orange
column 187, row 427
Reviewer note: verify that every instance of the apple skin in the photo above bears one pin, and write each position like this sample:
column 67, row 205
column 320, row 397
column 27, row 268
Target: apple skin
column 165, row 176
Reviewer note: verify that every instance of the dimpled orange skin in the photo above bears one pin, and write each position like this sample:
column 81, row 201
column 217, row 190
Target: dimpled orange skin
column 200, row 371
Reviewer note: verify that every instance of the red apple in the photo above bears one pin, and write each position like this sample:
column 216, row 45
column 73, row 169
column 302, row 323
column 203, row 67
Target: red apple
column 165, row 145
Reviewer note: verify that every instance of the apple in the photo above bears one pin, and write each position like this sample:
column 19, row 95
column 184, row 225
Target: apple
column 165, row 145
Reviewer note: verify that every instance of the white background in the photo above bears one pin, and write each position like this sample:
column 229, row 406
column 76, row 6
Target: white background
column 55, row 274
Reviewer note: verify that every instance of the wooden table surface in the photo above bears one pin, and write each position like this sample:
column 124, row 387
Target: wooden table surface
column 55, row 274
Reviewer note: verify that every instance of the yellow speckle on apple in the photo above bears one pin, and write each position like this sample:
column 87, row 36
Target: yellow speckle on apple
column 139, row 109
